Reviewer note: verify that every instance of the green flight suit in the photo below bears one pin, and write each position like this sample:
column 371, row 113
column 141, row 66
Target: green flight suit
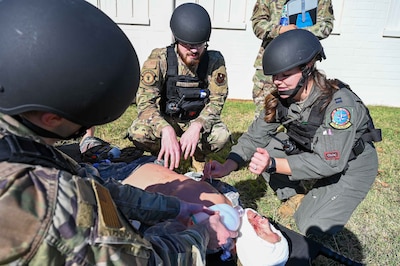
column 340, row 184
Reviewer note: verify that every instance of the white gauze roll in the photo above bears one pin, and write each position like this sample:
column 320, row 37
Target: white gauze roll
column 254, row 251
column 229, row 216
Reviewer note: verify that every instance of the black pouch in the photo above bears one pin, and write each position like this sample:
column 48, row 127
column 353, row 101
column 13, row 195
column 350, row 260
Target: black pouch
column 101, row 150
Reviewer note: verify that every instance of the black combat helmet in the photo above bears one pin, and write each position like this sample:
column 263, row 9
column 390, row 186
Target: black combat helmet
column 190, row 23
column 65, row 57
column 291, row 49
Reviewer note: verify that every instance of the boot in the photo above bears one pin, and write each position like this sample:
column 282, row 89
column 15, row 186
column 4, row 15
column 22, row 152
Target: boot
column 289, row 207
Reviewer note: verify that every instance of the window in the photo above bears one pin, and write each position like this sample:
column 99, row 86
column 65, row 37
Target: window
column 225, row 14
column 392, row 27
column 125, row 11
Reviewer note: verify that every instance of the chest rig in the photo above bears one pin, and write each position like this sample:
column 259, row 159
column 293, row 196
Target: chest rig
column 17, row 149
column 184, row 97
column 301, row 134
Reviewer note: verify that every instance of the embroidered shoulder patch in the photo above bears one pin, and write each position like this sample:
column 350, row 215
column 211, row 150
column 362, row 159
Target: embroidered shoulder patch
column 148, row 77
column 340, row 118
column 220, row 79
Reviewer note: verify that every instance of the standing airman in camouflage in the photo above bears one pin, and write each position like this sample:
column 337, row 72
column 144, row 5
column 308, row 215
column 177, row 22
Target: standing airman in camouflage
column 57, row 79
column 181, row 94
column 266, row 26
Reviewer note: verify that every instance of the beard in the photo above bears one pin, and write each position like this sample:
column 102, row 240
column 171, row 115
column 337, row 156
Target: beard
column 190, row 59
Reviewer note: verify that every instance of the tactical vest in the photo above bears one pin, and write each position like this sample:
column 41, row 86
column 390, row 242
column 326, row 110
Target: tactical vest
column 23, row 150
column 301, row 134
column 302, row 13
column 184, row 97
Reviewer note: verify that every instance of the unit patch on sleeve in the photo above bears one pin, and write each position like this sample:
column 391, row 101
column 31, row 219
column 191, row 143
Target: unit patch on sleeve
column 148, row 77
column 340, row 118
column 220, row 79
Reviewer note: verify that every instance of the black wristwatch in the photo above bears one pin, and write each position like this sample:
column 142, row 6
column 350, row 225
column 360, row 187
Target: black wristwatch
column 272, row 168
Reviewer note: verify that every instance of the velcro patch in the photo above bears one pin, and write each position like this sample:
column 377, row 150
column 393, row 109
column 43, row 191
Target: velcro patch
column 151, row 64
column 340, row 118
column 332, row 155
column 338, row 100
column 220, row 79
column 148, row 77
column 86, row 201
column 108, row 211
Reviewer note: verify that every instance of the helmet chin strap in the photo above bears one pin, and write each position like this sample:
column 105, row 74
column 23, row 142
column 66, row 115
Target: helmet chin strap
column 48, row 134
column 304, row 77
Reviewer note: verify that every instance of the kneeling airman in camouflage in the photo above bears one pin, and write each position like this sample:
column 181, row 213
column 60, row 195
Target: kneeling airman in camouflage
column 182, row 91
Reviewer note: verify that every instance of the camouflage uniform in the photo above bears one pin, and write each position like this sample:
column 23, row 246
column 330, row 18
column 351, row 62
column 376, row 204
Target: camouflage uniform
column 265, row 21
column 53, row 217
column 145, row 131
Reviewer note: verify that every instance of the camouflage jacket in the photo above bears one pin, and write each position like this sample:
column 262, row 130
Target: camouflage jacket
column 266, row 17
column 52, row 217
column 153, row 77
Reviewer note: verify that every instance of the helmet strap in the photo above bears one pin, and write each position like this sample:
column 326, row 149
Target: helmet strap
column 48, row 134
column 306, row 72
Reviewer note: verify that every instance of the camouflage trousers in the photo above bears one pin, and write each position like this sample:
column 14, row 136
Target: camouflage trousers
column 263, row 85
column 143, row 137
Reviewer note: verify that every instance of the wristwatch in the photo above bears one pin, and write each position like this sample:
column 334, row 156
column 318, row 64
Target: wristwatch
column 272, row 167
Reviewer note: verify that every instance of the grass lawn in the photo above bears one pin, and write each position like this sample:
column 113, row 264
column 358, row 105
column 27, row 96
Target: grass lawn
column 372, row 236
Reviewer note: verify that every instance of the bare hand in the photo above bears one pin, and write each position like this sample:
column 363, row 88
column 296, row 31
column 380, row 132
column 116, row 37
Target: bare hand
column 214, row 169
column 190, row 139
column 259, row 162
column 187, row 209
column 287, row 28
column 219, row 234
column 170, row 150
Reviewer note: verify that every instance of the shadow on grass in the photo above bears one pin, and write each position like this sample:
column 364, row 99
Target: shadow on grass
column 251, row 191
column 221, row 155
column 346, row 244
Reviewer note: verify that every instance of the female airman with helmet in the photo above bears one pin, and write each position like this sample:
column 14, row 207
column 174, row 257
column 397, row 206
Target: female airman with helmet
column 312, row 128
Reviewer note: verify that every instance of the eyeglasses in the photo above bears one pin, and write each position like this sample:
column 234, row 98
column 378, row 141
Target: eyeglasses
column 190, row 46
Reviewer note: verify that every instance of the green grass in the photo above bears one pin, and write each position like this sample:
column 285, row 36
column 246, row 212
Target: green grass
column 372, row 235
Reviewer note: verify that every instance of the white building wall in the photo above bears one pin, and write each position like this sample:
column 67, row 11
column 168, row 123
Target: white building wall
column 362, row 56
column 358, row 52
